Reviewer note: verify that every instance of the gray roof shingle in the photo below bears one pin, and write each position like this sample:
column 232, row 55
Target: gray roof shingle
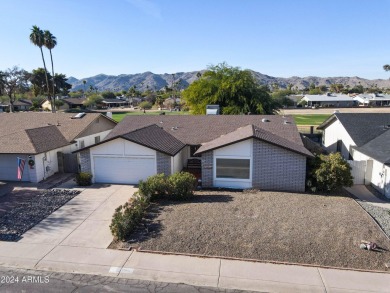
column 198, row 129
column 156, row 138
column 251, row 131
column 33, row 132
column 362, row 127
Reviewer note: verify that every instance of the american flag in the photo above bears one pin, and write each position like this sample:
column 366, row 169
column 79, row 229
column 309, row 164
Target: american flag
column 21, row 163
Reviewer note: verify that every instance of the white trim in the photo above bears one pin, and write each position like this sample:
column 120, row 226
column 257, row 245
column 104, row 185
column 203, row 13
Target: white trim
column 232, row 158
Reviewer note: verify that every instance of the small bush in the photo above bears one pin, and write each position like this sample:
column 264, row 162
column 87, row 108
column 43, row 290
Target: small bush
column 182, row 185
column 154, row 186
column 127, row 216
column 84, row 179
column 179, row 186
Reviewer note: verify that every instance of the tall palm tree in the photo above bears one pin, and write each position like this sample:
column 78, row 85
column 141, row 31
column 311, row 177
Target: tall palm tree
column 50, row 41
column 38, row 39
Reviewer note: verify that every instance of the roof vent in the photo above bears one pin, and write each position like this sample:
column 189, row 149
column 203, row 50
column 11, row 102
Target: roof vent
column 265, row 120
column 79, row 116
column 174, row 128
column 287, row 122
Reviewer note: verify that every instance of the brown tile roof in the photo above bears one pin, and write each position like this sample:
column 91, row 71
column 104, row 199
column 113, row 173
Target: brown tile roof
column 251, row 131
column 155, row 138
column 198, row 129
column 74, row 101
column 29, row 132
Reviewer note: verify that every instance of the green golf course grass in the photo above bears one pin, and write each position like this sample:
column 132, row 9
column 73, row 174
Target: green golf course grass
column 310, row 119
column 119, row 116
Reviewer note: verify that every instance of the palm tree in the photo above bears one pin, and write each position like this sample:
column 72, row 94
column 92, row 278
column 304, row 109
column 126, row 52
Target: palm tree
column 50, row 42
column 38, row 39
column 84, row 82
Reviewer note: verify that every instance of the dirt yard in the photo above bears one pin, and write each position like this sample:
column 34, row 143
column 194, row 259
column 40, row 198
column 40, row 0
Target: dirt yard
column 273, row 226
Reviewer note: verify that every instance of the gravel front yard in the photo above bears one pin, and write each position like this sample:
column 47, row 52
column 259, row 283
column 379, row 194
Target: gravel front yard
column 273, row 226
column 30, row 211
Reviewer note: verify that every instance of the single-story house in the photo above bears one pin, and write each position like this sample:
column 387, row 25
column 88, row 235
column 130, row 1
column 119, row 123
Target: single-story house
column 68, row 103
column 45, row 141
column 329, row 100
column 232, row 151
column 19, row 105
column 114, row 103
column 373, row 99
column 363, row 138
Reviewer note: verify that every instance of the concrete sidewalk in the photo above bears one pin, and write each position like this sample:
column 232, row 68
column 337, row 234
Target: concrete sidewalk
column 75, row 239
column 363, row 194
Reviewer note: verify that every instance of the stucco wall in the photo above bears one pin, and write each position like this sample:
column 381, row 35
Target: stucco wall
column 275, row 168
column 332, row 134
column 100, row 124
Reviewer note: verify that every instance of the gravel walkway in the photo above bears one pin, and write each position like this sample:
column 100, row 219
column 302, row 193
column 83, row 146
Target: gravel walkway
column 381, row 215
column 273, row 226
column 27, row 213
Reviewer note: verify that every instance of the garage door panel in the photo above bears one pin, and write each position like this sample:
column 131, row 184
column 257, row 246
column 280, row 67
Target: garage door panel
column 9, row 168
column 125, row 170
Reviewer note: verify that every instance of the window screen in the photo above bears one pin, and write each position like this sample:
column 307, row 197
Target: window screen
column 233, row 168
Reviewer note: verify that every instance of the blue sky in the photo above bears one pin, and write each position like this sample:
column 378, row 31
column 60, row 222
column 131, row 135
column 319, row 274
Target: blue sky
column 279, row 38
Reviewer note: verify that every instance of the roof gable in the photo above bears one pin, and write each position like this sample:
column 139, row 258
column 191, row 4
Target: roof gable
column 361, row 127
column 155, row 138
column 251, row 131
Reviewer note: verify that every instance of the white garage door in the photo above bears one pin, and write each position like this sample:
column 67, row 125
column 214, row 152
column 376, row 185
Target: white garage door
column 9, row 168
column 127, row 170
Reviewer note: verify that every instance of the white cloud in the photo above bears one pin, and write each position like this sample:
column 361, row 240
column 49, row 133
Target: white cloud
column 148, row 7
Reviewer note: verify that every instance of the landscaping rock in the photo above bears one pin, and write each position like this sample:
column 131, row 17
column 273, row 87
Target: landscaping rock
column 381, row 215
column 29, row 213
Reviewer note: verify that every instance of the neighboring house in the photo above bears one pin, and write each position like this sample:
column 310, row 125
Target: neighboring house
column 114, row 103
column 19, row 105
column 363, row 138
column 329, row 100
column 234, row 151
column 69, row 103
column 373, row 100
column 46, row 140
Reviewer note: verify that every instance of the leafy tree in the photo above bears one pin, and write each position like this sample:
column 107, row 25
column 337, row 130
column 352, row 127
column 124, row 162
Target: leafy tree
column 58, row 103
column 358, row 89
column 145, row 105
column 329, row 173
column 60, row 85
column 236, row 91
column 108, row 95
column 93, row 100
column 38, row 39
column 281, row 97
column 50, row 41
column 386, row 67
column 315, row 91
column 13, row 80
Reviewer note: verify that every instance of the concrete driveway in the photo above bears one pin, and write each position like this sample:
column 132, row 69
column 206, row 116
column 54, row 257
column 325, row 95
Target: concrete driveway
column 77, row 233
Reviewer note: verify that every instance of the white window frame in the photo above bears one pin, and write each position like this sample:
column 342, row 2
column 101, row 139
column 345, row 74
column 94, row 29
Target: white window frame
column 233, row 158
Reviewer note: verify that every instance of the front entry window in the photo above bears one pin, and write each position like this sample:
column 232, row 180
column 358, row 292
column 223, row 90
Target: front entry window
column 233, row 168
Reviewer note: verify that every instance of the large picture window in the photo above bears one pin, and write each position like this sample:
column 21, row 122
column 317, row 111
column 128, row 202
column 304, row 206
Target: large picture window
column 233, row 168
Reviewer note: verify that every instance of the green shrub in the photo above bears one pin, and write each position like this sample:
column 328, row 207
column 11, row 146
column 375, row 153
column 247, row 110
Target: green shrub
column 154, row 186
column 329, row 173
column 127, row 216
column 84, row 179
column 179, row 186
column 182, row 185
